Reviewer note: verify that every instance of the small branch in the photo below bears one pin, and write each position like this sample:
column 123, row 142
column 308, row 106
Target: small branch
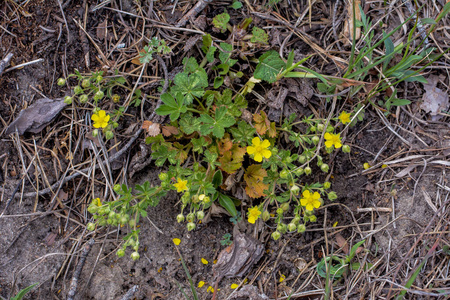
column 201, row 5
column 76, row 275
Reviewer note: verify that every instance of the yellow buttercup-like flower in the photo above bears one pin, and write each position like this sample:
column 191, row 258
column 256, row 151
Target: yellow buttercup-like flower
column 181, row 185
column 332, row 139
column 253, row 214
column 310, row 201
column 100, row 119
column 344, row 117
column 176, row 241
column 259, row 149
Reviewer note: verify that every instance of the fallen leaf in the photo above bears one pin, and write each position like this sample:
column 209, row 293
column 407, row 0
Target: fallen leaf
column 101, row 30
column 342, row 243
column 254, row 176
column 169, row 130
column 36, row 116
column 261, row 122
column 434, row 99
column 153, row 129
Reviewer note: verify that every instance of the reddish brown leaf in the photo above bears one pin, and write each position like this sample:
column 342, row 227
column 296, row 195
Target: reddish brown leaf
column 261, row 122
column 169, row 130
column 254, row 176
column 153, row 129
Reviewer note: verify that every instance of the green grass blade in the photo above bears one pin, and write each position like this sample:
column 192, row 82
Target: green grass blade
column 411, row 280
column 191, row 283
column 22, row 293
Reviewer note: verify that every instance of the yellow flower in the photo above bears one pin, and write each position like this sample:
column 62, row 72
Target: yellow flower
column 201, row 284
column 344, row 117
column 259, row 149
column 282, row 277
column 210, row 289
column 333, row 139
column 234, row 286
column 176, row 241
column 100, row 119
column 204, row 261
column 310, row 201
column 253, row 214
column 366, row 166
column 181, row 185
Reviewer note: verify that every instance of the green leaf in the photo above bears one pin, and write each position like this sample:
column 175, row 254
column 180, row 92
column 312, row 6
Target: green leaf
column 217, row 179
column 218, row 81
column 190, row 64
column 428, row 21
column 389, row 45
column 228, row 204
column 221, row 21
column 270, row 65
column 225, row 55
column 353, row 250
column 199, row 144
column 190, row 86
column 171, row 107
column 216, row 126
column 211, row 158
column 243, row 133
column 236, row 5
column 259, row 36
column 22, row 292
column 210, row 54
column 207, row 43
column 400, row 102
column 290, row 59
column 335, row 269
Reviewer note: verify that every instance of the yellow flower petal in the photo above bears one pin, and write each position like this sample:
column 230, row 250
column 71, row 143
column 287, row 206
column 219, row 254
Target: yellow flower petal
column 94, row 117
column 176, row 241
column 265, row 144
column 201, row 284
column 258, row 157
column 256, row 141
column 204, row 261
column 210, row 289
column 282, row 277
column 266, row 153
column 234, row 286
column 251, row 150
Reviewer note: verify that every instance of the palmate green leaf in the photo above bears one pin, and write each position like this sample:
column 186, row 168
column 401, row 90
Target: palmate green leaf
column 270, row 65
column 259, row 36
column 171, row 106
column 225, row 55
column 190, row 86
column 243, row 133
column 221, row 21
column 189, row 124
column 216, row 126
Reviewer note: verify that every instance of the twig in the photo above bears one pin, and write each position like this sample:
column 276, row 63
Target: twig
column 201, row 4
column 69, row 37
column 4, row 62
column 24, row 64
column 80, row 172
column 130, row 293
column 76, row 275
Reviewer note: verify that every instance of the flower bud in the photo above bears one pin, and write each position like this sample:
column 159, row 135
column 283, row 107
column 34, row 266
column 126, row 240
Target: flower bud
column 315, row 139
column 200, row 215
column 284, row 174
column 285, row 206
column 330, row 128
column 83, row 98
column 109, row 135
column 117, row 188
column 313, row 218
column 296, row 220
column 61, row 81
column 77, row 90
column 163, row 176
column 320, row 127
column 135, row 256
column 325, row 168
column 308, row 170
column 190, row 217
column 302, row 159
column 85, row 83
column 116, row 98
column 282, row 228
column 180, row 218
column 206, row 199
column 346, row 149
column 120, row 253
column 115, row 124
column 332, row 196
column 124, row 219
column 276, row 235
column 280, row 211
column 319, row 161
column 99, row 95
column 265, row 216
column 99, row 78
column 132, row 223
column 292, row 227
column 313, row 128
column 94, row 132
column 190, row 226
column 68, row 100
column 301, row 228
column 102, row 222
column 299, row 171
column 92, row 208
column 90, row 226
column 112, row 215
column 295, row 189
column 326, row 185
